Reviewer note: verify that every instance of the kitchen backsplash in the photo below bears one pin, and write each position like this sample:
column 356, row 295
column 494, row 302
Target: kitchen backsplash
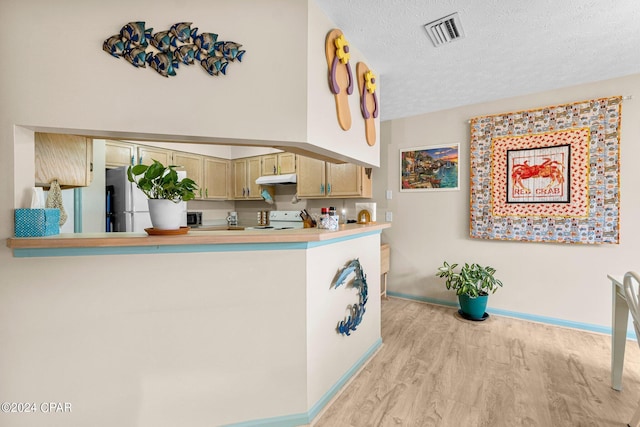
column 215, row 213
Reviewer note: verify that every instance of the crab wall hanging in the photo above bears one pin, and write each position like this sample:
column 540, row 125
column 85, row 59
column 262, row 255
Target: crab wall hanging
column 164, row 51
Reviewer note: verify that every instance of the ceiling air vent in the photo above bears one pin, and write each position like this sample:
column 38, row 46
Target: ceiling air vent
column 445, row 30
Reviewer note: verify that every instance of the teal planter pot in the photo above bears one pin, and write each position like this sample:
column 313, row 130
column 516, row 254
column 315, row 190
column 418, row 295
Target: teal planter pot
column 474, row 308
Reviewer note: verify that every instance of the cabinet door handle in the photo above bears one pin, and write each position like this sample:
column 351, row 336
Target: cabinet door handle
column 140, row 160
column 328, row 188
column 206, row 192
column 322, row 188
column 133, row 159
column 248, row 192
column 243, row 191
column 274, row 169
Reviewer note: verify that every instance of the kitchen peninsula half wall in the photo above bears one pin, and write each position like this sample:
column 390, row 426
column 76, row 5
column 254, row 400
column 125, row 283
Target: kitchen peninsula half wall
column 240, row 324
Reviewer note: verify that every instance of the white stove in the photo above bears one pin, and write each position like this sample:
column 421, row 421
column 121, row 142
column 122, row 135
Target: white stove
column 281, row 220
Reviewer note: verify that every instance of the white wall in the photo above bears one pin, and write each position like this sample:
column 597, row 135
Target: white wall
column 561, row 281
column 91, row 90
column 88, row 330
column 323, row 127
column 201, row 339
column 329, row 354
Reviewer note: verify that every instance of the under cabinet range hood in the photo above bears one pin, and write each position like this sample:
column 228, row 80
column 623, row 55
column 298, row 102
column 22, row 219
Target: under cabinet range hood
column 277, row 179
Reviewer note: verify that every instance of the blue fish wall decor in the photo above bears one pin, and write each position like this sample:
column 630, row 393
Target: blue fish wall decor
column 214, row 66
column 163, row 63
column 206, row 42
column 182, row 32
column 136, row 33
column 161, row 41
column 165, row 50
column 114, row 46
column 356, row 311
column 136, row 56
column 186, row 53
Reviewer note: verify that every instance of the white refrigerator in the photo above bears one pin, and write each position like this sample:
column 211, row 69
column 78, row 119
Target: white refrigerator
column 128, row 209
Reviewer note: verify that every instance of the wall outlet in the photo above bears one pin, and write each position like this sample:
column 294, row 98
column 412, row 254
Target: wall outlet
column 389, row 194
column 388, row 216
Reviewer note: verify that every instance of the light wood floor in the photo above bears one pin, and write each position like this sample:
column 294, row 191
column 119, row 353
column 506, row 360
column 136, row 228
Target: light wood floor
column 437, row 369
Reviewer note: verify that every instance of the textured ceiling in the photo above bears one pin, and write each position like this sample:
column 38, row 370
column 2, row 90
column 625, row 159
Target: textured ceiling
column 511, row 48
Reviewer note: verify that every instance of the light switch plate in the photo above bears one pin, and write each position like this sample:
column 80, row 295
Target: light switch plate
column 388, row 216
column 389, row 194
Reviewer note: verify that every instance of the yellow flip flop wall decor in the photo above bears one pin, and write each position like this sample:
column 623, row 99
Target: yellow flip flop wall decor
column 340, row 75
column 368, row 100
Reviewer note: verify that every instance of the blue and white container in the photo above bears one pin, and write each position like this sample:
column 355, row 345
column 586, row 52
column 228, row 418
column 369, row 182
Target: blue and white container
column 37, row 222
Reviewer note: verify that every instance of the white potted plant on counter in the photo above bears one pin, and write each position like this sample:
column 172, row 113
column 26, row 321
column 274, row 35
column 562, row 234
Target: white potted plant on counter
column 165, row 191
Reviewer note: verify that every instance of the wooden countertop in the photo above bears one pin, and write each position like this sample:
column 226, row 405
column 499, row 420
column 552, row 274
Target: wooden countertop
column 193, row 237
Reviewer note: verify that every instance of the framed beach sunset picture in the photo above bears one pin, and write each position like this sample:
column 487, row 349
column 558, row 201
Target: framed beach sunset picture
column 432, row 168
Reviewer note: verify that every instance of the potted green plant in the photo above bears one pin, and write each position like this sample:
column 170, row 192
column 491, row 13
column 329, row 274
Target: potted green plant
column 165, row 190
column 472, row 285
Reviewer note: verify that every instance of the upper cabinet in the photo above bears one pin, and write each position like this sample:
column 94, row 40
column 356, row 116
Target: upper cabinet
column 210, row 173
column 280, row 163
column 319, row 179
column 312, row 177
column 192, row 165
column 286, row 163
column 348, row 180
column 118, row 154
column 245, row 173
column 146, row 155
column 221, row 179
column 66, row 158
column 217, row 179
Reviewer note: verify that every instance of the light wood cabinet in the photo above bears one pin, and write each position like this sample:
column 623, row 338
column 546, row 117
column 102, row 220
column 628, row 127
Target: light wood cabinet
column 311, row 177
column 117, row 154
column 147, row 154
column 245, row 173
column 385, row 252
column 347, row 180
column 192, row 164
column 278, row 163
column 67, row 158
column 210, row 173
column 216, row 179
column 269, row 164
column 319, row 179
column 286, row 163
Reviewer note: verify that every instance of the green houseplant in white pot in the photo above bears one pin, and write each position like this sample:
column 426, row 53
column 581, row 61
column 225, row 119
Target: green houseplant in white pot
column 165, row 190
column 472, row 285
